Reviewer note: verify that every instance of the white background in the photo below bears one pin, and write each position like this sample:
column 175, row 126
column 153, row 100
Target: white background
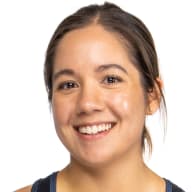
column 29, row 147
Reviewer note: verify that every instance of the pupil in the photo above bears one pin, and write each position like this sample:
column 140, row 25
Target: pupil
column 70, row 84
column 111, row 79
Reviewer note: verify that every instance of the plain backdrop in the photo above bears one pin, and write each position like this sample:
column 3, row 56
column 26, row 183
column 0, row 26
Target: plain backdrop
column 29, row 147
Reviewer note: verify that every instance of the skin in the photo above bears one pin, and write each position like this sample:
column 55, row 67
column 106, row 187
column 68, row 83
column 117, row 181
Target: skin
column 95, row 82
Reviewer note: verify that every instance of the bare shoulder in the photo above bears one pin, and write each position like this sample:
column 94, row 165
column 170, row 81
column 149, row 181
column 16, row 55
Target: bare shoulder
column 24, row 189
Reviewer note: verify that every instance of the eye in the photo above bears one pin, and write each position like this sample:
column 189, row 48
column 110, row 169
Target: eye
column 67, row 85
column 112, row 79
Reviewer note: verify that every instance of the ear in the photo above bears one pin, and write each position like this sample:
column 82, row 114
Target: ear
column 154, row 97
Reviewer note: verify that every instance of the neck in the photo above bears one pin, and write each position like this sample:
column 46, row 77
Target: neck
column 129, row 174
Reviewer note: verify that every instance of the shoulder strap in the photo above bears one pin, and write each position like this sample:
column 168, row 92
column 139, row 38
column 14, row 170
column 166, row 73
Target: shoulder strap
column 175, row 188
column 171, row 187
column 47, row 184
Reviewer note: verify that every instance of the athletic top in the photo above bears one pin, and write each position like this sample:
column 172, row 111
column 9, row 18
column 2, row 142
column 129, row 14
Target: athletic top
column 48, row 184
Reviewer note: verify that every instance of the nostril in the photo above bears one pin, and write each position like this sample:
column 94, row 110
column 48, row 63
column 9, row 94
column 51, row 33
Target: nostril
column 89, row 107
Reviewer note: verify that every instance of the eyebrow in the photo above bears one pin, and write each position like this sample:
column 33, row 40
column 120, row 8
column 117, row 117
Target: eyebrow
column 109, row 66
column 63, row 72
column 99, row 69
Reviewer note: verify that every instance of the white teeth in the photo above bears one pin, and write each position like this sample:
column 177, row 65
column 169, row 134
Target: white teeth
column 95, row 128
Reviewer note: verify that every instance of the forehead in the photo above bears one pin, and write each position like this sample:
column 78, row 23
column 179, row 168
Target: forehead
column 90, row 44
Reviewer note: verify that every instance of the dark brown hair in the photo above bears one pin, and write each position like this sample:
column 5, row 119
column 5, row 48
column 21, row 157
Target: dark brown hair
column 133, row 34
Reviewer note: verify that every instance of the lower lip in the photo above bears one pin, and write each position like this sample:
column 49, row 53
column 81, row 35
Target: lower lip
column 94, row 136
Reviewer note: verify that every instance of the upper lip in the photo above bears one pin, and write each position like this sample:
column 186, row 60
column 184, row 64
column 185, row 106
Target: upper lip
column 93, row 123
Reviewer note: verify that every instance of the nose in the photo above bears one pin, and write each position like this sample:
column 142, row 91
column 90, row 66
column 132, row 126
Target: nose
column 90, row 100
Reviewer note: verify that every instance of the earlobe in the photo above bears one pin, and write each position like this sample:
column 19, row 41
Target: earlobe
column 152, row 107
column 154, row 97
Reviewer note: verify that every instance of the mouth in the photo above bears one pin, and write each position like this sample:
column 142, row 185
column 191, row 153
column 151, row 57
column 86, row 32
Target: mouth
column 94, row 129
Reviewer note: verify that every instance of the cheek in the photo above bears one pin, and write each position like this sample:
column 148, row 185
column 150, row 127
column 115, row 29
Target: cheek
column 61, row 112
column 120, row 104
column 130, row 111
column 128, row 105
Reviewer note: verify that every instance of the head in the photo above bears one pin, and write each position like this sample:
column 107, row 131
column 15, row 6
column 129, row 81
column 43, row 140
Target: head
column 136, row 41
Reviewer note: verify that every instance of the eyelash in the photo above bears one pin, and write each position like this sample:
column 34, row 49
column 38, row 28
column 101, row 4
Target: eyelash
column 112, row 79
column 109, row 80
column 67, row 85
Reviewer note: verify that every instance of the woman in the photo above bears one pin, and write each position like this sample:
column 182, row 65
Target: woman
column 102, row 78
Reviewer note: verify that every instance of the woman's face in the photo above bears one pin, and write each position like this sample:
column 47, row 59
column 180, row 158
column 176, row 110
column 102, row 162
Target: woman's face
column 98, row 102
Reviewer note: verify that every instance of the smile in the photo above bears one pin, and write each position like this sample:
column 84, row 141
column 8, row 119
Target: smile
column 95, row 129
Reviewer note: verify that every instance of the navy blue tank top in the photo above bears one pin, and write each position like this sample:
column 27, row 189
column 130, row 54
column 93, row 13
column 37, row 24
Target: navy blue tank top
column 48, row 184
